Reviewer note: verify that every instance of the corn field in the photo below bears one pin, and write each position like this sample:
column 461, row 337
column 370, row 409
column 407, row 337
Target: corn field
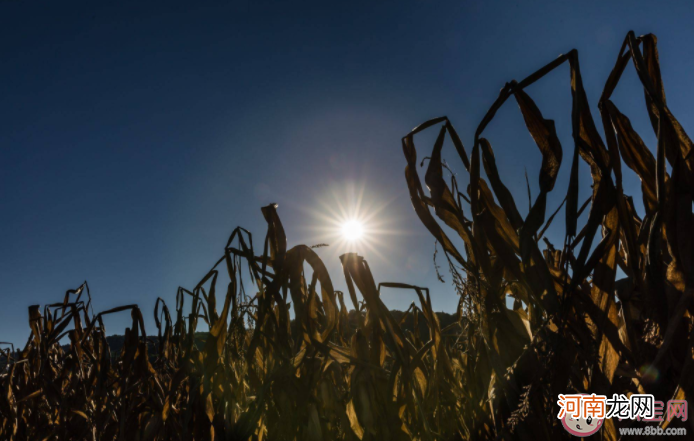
column 495, row 374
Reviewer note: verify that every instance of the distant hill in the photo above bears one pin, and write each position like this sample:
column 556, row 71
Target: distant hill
column 115, row 342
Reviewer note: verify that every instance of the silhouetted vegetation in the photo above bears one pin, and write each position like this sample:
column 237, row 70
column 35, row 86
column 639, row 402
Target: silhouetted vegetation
column 491, row 371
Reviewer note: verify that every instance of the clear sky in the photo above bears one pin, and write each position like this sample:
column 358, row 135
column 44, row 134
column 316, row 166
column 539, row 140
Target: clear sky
column 135, row 136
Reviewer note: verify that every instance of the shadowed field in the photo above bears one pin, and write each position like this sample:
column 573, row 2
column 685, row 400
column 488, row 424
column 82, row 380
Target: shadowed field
column 494, row 373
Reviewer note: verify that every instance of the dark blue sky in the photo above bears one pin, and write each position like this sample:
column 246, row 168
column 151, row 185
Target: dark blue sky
column 135, row 137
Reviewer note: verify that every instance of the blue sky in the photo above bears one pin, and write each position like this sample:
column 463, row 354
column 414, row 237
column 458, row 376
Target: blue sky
column 135, row 136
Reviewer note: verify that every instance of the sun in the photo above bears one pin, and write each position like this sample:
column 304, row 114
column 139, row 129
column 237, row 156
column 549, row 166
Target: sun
column 350, row 220
column 352, row 230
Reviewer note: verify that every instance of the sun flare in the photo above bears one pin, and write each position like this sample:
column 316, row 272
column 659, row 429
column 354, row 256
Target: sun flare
column 352, row 230
column 350, row 220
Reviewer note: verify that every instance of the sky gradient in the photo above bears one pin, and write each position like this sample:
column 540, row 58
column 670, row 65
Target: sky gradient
column 135, row 137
